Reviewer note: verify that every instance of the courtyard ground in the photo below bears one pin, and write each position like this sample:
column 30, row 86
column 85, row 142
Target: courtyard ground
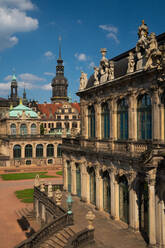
column 108, row 233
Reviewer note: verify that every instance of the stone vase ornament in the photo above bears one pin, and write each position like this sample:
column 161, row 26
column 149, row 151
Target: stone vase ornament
column 37, row 181
column 90, row 217
column 58, row 197
column 42, row 187
column 50, row 191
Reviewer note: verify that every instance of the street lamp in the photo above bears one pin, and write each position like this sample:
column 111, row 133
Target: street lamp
column 69, row 203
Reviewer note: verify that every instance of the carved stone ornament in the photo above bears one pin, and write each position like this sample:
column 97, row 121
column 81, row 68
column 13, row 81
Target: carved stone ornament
column 37, row 181
column 153, row 54
column 90, row 217
column 131, row 63
column 42, row 187
column 83, row 80
column 96, row 75
column 58, row 197
column 50, row 191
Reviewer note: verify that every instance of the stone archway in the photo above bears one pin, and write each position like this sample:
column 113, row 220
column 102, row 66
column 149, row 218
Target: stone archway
column 123, row 199
column 92, row 185
column 106, row 192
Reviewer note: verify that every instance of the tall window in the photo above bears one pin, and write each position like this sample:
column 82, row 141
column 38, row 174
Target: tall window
column 28, row 151
column 39, row 150
column 17, row 151
column 13, row 129
column 105, row 121
column 23, row 129
column 144, row 117
column 50, row 150
column 91, row 122
column 122, row 119
column 58, row 125
column 33, row 129
column 74, row 124
column 59, row 152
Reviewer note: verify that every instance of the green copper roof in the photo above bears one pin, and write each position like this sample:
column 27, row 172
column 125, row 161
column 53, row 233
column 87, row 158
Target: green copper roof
column 14, row 77
column 18, row 111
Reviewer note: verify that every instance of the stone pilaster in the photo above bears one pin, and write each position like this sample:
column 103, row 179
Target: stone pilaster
column 155, row 116
column 99, row 190
column 132, row 118
column 85, row 121
column 44, row 150
column 22, row 151
column 73, row 184
column 113, row 119
column 83, row 181
column 114, row 197
column 98, row 120
column 65, row 174
column 152, row 217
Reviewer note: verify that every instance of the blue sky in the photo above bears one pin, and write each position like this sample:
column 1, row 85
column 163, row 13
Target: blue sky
column 30, row 29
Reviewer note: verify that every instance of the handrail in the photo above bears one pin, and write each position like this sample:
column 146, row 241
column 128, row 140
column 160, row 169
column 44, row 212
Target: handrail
column 46, row 231
column 83, row 237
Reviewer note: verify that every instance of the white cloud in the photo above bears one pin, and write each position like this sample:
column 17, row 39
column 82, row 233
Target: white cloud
column 5, row 86
column 14, row 19
column 91, row 65
column 20, row 4
column 49, row 55
column 112, row 31
column 47, row 87
column 30, row 77
column 8, row 78
column 79, row 68
column 81, row 56
column 52, row 74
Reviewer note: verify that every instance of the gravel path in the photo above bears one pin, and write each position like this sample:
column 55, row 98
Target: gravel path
column 10, row 232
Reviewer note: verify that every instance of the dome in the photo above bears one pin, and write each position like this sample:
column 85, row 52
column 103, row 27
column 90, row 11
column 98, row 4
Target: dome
column 20, row 109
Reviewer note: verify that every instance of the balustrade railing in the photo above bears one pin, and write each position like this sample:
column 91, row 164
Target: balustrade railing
column 82, row 238
column 48, row 230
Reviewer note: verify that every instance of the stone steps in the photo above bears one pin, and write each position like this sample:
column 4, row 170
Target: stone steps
column 58, row 240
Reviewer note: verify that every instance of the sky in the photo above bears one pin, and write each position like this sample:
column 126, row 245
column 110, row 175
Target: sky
column 29, row 31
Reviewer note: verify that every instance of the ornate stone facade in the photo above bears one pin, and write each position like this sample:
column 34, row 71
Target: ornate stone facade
column 118, row 162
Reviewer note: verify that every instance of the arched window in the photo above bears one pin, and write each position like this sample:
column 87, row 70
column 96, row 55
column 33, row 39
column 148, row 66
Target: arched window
column 144, row 117
column 28, row 151
column 33, row 129
column 23, row 129
column 123, row 199
column 59, row 125
column 39, row 150
column 106, row 192
column 13, row 129
column 59, row 152
column 74, row 125
column 91, row 122
column 122, row 119
column 105, row 121
column 50, row 150
column 17, row 151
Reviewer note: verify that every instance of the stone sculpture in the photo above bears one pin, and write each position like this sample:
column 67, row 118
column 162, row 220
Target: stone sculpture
column 50, row 191
column 83, row 80
column 111, row 71
column 58, row 197
column 153, row 55
column 37, row 181
column 131, row 63
column 96, row 75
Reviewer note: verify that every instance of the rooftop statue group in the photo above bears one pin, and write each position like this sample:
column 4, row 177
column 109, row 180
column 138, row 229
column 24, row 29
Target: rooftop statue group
column 147, row 56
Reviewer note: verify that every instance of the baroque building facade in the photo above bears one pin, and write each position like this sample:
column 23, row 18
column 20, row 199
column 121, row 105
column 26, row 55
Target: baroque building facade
column 118, row 162
column 21, row 140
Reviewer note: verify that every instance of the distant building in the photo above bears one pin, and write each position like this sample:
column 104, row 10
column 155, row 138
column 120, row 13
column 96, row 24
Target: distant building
column 118, row 162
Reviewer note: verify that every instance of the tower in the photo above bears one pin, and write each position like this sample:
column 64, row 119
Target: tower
column 59, row 82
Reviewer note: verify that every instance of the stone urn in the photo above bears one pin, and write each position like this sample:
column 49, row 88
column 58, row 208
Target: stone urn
column 90, row 217
column 58, row 197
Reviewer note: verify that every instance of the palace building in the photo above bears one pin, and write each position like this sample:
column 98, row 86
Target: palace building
column 117, row 164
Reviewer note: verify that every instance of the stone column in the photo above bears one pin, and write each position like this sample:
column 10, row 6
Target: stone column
column 22, row 151
column 87, row 187
column 132, row 118
column 65, row 174
column 155, row 116
column 114, row 197
column 133, row 209
column 83, row 181
column 152, row 227
column 113, row 120
column 33, row 150
column 73, row 183
column 98, row 120
column 55, row 150
column 84, row 120
column 99, row 190
column 44, row 150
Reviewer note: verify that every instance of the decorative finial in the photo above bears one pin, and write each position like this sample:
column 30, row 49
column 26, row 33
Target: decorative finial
column 20, row 101
column 11, row 106
column 142, row 21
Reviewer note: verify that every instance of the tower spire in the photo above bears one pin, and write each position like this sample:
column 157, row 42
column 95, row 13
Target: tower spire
column 59, row 39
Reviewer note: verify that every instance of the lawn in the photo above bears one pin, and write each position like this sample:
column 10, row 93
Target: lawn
column 21, row 176
column 25, row 195
column 59, row 173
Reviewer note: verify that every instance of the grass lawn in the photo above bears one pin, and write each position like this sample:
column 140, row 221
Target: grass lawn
column 25, row 195
column 59, row 173
column 21, row 176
